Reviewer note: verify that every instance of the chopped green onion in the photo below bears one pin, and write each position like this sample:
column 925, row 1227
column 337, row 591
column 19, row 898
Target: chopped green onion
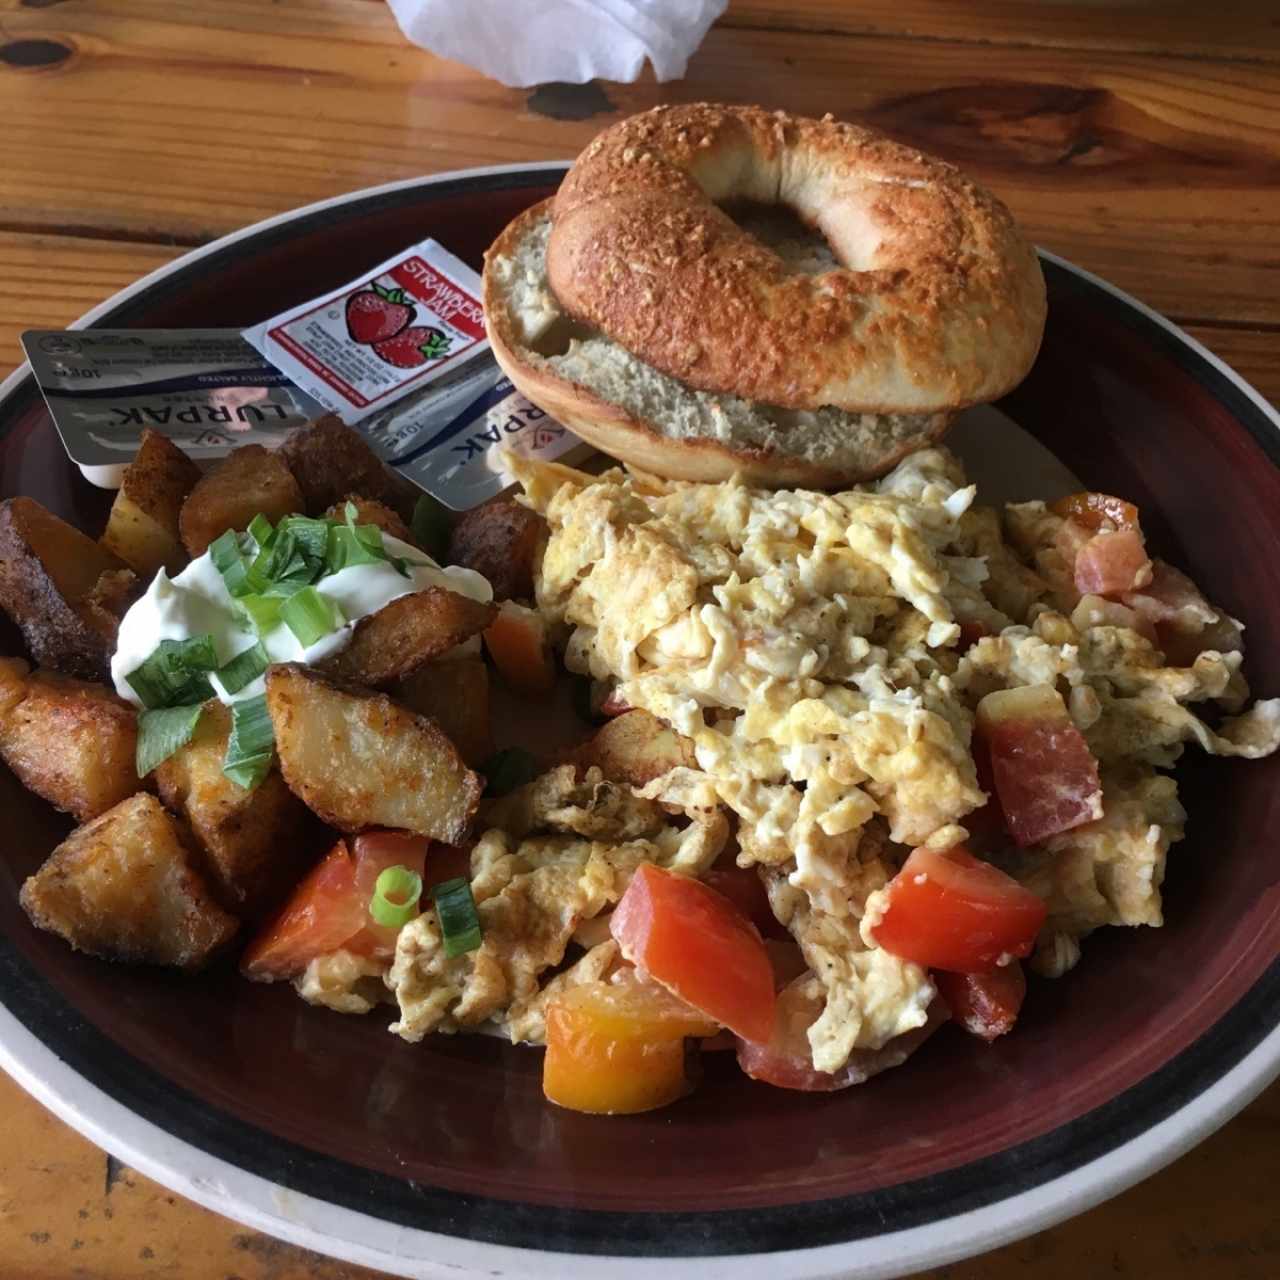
column 310, row 616
column 263, row 612
column 311, row 536
column 260, row 531
column 508, row 769
column 244, row 668
column 459, row 920
column 241, row 575
column 395, row 896
column 431, row 526
column 162, row 732
column 174, row 674
column 252, row 746
column 350, row 544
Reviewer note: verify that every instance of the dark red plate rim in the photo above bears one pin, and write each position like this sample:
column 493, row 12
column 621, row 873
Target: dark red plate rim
column 131, row 1082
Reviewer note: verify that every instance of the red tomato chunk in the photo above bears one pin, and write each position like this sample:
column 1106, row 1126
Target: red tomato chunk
column 952, row 911
column 698, row 945
column 1044, row 773
column 1110, row 564
column 330, row 908
column 984, row 1004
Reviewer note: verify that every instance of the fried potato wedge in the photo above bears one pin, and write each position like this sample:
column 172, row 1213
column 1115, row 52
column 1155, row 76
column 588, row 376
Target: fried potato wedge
column 406, row 634
column 503, row 541
column 256, row 843
column 49, row 585
column 142, row 528
column 635, row 747
column 359, row 760
column 70, row 741
column 455, row 694
column 124, row 888
column 331, row 460
column 371, row 511
column 248, row 481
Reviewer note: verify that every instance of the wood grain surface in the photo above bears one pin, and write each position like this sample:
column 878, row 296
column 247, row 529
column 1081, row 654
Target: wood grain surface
column 1139, row 139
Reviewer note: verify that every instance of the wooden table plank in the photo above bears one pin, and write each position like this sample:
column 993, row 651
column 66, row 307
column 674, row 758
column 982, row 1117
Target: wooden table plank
column 1161, row 173
column 62, row 1201
column 1239, row 29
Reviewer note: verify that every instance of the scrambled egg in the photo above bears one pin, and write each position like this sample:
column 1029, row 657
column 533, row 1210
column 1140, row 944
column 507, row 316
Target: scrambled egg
column 809, row 647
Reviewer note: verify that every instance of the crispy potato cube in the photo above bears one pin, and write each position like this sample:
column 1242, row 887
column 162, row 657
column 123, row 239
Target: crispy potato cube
column 360, row 760
column 70, row 741
column 49, row 586
column 331, row 460
column 406, row 634
column 248, row 481
column 455, row 694
column 635, row 748
column 142, row 528
column 503, row 541
column 371, row 511
column 256, row 843
column 123, row 888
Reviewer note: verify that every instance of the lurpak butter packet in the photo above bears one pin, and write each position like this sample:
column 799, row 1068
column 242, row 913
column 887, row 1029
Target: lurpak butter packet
column 206, row 389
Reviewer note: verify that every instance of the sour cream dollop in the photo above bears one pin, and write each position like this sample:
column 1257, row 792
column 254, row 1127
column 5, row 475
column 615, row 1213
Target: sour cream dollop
column 197, row 603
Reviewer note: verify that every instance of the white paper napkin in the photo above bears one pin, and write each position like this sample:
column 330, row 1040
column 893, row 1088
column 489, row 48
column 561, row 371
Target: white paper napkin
column 529, row 42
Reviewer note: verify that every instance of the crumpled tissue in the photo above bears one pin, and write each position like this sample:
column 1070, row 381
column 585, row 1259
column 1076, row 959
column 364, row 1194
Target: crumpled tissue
column 528, row 42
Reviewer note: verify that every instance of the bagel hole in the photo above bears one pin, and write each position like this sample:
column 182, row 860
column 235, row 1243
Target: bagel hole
column 557, row 337
column 803, row 248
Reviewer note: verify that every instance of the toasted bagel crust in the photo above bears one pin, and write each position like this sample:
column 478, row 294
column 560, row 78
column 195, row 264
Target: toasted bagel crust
column 637, row 440
column 940, row 303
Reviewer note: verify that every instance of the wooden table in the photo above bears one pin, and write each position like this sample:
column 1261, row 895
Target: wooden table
column 1140, row 140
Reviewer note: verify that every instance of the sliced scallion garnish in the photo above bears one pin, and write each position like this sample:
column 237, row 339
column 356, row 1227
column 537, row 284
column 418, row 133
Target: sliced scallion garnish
column 244, row 668
column 162, row 732
column 311, row 536
column 395, row 896
column 459, row 920
column 251, row 748
column 262, row 611
column 237, row 563
column 310, row 616
column 175, row 673
column 353, row 544
column 261, row 531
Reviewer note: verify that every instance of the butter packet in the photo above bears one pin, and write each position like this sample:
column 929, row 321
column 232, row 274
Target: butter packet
column 206, row 389
column 410, row 321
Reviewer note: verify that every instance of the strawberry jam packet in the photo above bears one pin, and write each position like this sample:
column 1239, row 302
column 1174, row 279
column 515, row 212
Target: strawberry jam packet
column 411, row 321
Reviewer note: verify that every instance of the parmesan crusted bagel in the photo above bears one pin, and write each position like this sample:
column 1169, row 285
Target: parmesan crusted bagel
column 936, row 301
column 630, row 410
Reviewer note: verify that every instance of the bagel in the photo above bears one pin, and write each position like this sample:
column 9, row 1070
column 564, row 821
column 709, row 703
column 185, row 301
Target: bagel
column 694, row 343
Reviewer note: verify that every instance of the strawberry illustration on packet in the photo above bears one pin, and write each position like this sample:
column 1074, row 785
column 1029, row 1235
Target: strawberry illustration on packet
column 377, row 314
column 402, row 324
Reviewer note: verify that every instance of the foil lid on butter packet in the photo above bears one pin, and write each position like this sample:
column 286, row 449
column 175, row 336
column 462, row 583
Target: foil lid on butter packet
column 206, row 389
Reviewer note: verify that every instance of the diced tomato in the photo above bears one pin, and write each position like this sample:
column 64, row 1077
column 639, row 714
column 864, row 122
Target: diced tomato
column 519, row 646
column 1044, row 773
column 984, row 1004
column 1094, row 510
column 617, row 1047
column 1110, row 564
column 786, row 1059
column 951, row 911
column 700, row 946
column 742, row 886
column 330, row 908
column 988, row 828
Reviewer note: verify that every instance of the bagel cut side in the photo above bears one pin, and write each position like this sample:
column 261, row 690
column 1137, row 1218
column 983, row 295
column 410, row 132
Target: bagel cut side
column 633, row 412
column 936, row 301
